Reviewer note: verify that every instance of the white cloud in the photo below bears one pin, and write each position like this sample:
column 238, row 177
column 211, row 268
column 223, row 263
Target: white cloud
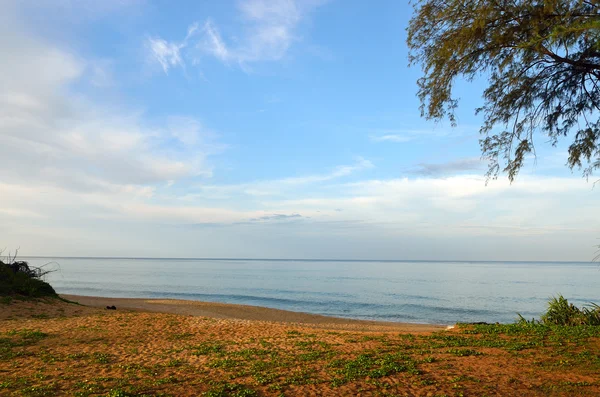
column 59, row 136
column 269, row 29
column 424, row 205
column 272, row 28
column 167, row 54
column 437, row 217
column 213, row 43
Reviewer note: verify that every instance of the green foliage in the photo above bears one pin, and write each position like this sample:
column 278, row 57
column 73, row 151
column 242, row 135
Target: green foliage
column 542, row 58
column 561, row 312
column 208, row 348
column 39, row 391
column 102, row 358
column 373, row 366
column 18, row 278
column 230, row 390
column 15, row 339
column 464, row 352
column 118, row 393
column 591, row 314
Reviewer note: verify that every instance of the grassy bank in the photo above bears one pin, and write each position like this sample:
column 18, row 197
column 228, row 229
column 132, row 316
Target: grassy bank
column 83, row 352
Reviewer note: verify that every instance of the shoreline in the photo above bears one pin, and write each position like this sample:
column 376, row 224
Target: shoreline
column 232, row 311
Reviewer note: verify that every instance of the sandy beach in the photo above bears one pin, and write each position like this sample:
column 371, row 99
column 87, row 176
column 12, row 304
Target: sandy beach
column 245, row 312
column 180, row 348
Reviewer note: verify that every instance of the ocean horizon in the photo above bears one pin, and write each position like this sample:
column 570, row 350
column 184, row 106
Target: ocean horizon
column 413, row 291
column 292, row 259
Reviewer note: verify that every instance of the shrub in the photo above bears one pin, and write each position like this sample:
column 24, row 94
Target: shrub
column 591, row 314
column 19, row 278
column 561, row 312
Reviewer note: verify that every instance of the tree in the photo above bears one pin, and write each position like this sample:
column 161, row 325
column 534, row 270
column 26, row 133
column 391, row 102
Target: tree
column 543, row 63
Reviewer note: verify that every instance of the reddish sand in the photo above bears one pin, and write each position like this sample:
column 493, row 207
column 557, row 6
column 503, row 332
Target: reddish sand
column 195, row 349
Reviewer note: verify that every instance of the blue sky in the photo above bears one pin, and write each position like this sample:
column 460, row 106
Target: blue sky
column 254, row 128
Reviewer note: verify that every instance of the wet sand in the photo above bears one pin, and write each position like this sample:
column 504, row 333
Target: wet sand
column 245, row 312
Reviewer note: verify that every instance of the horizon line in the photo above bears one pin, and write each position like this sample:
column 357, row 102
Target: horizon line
column 294, row 259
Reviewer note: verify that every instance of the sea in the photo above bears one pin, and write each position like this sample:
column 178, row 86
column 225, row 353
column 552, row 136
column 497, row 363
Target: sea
column 427, row 292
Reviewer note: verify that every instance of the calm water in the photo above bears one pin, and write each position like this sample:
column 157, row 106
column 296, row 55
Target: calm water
column 406, row 291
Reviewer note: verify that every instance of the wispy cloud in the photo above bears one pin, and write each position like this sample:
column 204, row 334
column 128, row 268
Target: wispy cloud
column 391, row 138
column 384, row 217
column 169, row 54
column 213, row 43
column 403, row 135
column 433, row 204
column 449, row 168
column 269, row 29
column 338, row 172
column 277, row 218
column 407, row 135
column 278, row 187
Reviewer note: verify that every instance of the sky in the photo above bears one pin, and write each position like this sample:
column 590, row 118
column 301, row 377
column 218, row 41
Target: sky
column 255, row 129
